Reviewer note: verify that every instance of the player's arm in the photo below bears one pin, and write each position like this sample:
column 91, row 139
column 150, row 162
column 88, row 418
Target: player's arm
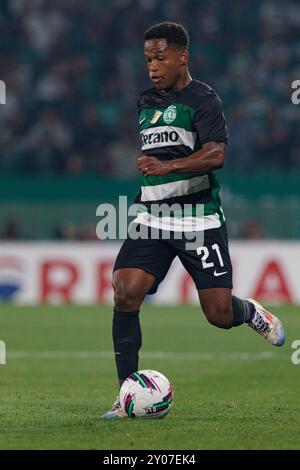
column 210, row 157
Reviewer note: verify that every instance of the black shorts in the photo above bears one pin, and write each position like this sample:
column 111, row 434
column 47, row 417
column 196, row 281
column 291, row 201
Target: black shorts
column 208, row 264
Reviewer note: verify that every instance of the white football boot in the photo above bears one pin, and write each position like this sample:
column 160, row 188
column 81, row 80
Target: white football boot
column 267, row 324
column 116, row 411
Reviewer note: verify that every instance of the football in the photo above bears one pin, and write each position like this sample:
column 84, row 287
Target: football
column 146, row 394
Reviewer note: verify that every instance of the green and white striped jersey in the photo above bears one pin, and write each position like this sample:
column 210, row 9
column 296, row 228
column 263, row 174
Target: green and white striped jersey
column 175, row 125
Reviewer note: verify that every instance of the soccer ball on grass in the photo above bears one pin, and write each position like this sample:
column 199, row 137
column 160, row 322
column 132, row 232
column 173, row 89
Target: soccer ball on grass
column 146, row 394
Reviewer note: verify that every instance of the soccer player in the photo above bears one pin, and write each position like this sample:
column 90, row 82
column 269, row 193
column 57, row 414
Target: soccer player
column 184, row 139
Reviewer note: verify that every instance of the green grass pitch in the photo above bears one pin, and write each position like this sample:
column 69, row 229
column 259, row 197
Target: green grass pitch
column 232, row 389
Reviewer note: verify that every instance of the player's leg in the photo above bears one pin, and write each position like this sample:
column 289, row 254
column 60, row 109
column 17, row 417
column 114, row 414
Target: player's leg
column 140, row 266
column 130, row 287
column 224, row 310
column 207, row 260
column 210, row 267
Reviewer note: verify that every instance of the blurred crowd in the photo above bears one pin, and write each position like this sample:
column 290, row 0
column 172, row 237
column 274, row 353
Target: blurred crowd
column 11, row 229
column 74, row 69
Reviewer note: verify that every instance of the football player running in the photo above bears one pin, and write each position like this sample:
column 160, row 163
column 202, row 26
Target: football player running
column 184, row 140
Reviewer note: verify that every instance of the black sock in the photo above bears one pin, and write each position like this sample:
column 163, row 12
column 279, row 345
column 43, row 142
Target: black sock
column 127, row 338
column 243, row 311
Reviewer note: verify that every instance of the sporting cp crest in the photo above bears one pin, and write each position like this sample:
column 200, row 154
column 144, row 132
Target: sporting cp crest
column 170, row 114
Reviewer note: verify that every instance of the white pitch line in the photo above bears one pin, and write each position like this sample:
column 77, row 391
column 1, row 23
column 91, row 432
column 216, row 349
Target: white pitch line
column 171, row 356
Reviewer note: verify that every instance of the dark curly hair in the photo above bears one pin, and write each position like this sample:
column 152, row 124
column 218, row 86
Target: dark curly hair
column 174, row 33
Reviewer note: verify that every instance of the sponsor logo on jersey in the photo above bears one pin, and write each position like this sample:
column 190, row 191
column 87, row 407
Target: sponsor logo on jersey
column 170, row 114
column 156, row 117
column 162, row 137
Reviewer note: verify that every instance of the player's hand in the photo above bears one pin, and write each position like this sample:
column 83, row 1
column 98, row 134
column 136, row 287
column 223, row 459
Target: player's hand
column 151, row 166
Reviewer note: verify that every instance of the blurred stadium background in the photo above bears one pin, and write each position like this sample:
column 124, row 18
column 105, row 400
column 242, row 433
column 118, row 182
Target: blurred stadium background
column 69, row 138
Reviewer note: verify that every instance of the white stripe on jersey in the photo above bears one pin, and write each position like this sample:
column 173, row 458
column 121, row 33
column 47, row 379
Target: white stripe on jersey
column 174, row 189
column 179, row 224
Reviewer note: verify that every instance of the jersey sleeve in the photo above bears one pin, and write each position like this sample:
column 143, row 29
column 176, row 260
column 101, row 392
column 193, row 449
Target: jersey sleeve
column 209, row 120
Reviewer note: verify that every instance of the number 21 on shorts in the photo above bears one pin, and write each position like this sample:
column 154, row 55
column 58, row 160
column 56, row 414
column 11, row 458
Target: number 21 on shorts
column 204, row 251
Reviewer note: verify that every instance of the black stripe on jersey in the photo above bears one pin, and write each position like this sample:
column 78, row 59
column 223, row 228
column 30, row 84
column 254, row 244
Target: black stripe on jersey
column 170, row 152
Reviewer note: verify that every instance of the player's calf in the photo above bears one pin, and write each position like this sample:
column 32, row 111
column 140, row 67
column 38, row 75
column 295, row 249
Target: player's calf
column 224, row 310
column 219, row 317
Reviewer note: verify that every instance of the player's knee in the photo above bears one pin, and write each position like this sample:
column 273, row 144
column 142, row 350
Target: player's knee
column 219, row 316
column 126, row 298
